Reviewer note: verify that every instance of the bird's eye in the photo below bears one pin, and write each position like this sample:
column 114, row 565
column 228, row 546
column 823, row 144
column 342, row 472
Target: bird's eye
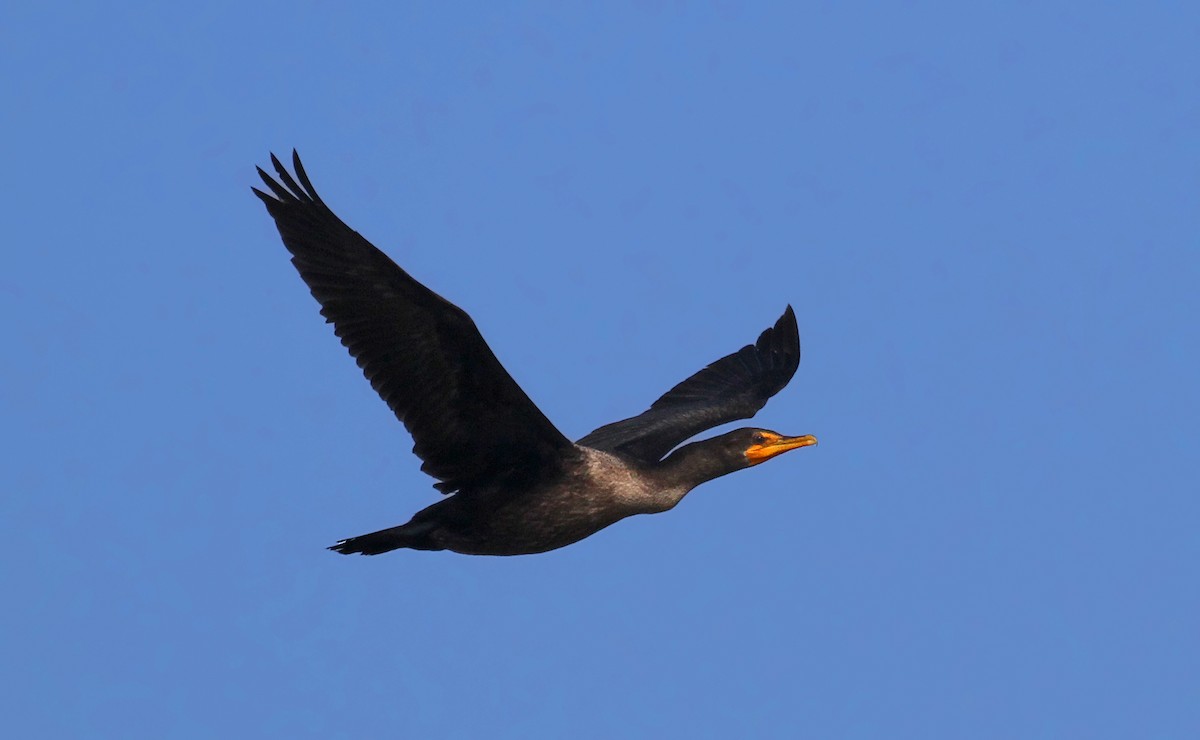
column 758, row 438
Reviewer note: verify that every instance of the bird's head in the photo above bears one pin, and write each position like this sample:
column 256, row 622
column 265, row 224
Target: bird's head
column 760, row 445
column 751, row 446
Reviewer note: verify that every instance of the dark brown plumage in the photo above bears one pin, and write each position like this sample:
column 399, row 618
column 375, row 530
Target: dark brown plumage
column 516, row 484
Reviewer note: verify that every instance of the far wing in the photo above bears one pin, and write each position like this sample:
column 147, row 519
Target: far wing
column 734, row 387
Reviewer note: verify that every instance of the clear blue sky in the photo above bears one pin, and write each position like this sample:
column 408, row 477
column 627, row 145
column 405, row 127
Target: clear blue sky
column 986, row 217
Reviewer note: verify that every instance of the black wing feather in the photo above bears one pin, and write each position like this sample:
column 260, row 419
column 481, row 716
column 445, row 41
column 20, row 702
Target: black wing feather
column 471, row 423
column 734, row 387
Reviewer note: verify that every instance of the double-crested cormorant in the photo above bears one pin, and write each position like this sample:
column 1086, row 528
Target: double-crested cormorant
column 516, row 485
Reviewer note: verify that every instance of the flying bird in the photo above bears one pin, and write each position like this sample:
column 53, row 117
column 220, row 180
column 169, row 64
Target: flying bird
column 513, row 483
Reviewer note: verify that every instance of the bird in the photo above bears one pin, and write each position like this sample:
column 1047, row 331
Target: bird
column 512, row 483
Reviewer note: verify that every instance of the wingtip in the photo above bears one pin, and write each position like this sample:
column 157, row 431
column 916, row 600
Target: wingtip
column 784, row 339
column 280, row 193
column 787, row 325
column 298, row 166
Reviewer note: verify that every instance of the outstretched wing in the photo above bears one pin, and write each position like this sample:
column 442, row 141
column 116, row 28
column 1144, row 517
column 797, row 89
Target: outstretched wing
column 470, row 421
column 734, row 387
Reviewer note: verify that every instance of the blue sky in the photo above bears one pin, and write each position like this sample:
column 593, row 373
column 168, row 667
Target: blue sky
column 984, row 214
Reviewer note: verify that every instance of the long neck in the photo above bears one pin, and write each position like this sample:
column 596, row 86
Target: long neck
column 693, row 464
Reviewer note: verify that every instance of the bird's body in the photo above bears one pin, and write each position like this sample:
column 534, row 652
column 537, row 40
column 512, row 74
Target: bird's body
column 593, row 490
column 516, row 485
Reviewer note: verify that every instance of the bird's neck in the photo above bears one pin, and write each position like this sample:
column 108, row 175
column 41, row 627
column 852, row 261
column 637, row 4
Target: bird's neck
column 691, row 465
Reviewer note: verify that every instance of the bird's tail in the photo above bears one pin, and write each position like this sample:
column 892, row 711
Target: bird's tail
column 414, row 536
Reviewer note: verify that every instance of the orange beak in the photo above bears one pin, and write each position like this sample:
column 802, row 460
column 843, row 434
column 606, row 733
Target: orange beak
column 772, row 447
